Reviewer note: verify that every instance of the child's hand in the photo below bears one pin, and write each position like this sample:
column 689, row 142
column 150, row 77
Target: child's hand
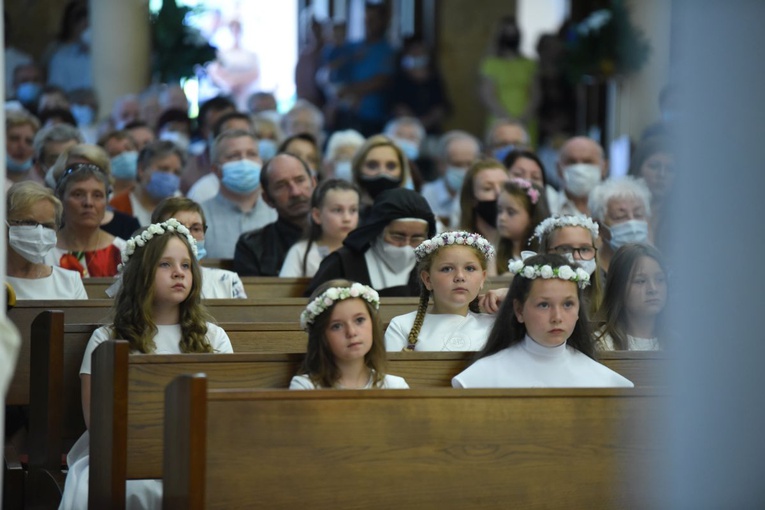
column 491, row 301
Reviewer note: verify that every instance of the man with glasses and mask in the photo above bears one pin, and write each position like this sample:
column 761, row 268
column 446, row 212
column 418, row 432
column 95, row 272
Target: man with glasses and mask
column 380, row 253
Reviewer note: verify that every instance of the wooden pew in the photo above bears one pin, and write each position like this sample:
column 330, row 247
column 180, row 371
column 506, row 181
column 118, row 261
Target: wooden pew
column 439, row 449
column 256, row 287
column 262, row 287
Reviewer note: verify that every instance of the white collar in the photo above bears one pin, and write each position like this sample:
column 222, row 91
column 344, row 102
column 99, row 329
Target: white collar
column 533, row 347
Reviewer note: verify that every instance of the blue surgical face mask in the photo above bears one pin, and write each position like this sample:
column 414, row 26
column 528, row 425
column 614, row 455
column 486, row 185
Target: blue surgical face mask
column 267, row 149
column 344, row 170
column 632, row 231
column 241, row 176
column 124, row 165
column 454, row 177
column 83, row 114
column 28, row 92
column 17, row 166
column 500, row 153
column 410, row 149
column 163, row 184
column 201, row 250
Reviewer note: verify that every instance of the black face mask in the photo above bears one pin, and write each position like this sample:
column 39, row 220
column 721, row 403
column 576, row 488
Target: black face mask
column 487, row 211
column 376, row 185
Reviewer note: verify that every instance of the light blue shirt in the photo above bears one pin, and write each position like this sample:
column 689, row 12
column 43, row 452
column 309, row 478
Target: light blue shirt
column 70, row 67
column 226, row 222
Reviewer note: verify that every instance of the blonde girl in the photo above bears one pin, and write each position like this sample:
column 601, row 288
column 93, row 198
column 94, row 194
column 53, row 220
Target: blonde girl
column 452, row 268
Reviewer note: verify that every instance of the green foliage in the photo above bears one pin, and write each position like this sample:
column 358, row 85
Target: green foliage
column 176, row 48
column 605, row 44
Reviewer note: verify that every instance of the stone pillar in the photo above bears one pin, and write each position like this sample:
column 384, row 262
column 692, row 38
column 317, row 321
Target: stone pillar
column 121, row 49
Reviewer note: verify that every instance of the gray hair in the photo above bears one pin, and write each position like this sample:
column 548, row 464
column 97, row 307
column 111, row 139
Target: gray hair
column 341, row 138
column 505, row 122
column 229, row 135
column 456, row 134
column 394, row 124
column 303, row 105
column 159, row 149
column 617, row 188
column 57, row 133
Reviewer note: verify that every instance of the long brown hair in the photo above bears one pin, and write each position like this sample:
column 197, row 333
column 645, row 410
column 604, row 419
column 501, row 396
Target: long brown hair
column 537, row 212
column 319, row 362
column 133, row 319
column 613, row 312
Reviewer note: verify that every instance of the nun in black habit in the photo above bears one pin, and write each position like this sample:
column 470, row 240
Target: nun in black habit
column 380, row 253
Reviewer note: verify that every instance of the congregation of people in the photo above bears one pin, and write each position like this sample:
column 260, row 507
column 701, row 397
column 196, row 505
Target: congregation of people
column 360, row 191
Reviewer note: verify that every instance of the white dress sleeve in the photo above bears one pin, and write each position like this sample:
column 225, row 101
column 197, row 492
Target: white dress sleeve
column 98, row 337
column 293, row 262
column 397, row 333
column 218, row 339
column 394, row 382
column 301, row 382
column 237, row 287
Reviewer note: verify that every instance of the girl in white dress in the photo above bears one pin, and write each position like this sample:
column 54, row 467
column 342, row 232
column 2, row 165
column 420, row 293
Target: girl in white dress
column 541, row 337
column 452, row 268
column 334, row 213
column 634, row 300
column 158, row 310
column 345, row 341
column 216, row 283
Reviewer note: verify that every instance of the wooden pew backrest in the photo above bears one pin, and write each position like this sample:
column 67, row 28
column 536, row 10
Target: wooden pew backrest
column 439, row 449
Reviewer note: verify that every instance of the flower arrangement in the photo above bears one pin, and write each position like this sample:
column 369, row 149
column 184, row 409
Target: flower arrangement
column 531, row 192
column 156, row 229
column 457, row 238
column 606, row 43
column 580, row 276
column 334, row 294
column 554, row 222
column 177, row 49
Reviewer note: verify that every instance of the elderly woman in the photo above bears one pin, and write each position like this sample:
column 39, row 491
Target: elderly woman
column 159, row 177
column 341, row 148
column 83, row 245
column 622, row 207
column 33, row 216
column 114, row 222
column 381, row 252
column 20, row 130
column 654, row 162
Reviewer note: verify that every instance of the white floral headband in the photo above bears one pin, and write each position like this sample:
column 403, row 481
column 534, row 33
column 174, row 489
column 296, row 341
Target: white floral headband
column 531, row 192
column 156, row 229
column 546, row 271
column 454, row 238
column 334, row 294
column 554, row 222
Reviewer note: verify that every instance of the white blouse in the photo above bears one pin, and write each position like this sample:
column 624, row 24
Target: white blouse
column 440, row 332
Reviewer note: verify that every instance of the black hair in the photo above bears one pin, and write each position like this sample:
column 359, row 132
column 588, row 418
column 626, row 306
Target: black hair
column 62, row 114
column 216, row 103
column 173, row 115
column 216, row 130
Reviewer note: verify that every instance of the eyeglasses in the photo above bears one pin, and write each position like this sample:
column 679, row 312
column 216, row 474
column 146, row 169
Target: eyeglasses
column 401, row 239
column 31, row 223
column 197, row 229
column 584, row 252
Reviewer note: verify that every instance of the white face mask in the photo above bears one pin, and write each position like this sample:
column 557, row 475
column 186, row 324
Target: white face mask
column 397, row 258
column 632, row 231
column 343, row 171
column 32, row 243
column 581, row 178
column 587, row 265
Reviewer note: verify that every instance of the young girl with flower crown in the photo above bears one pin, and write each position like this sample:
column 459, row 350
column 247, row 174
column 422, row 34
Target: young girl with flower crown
column 521, row 206
column 452, row 267
column 541, row 337
column 345, row 341
column 158, row 310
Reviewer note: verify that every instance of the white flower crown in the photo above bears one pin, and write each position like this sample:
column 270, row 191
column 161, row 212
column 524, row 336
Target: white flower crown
column 578, row 275
column 554, row 222
column 459, row 238
column 334, row 294
column 156, row 229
